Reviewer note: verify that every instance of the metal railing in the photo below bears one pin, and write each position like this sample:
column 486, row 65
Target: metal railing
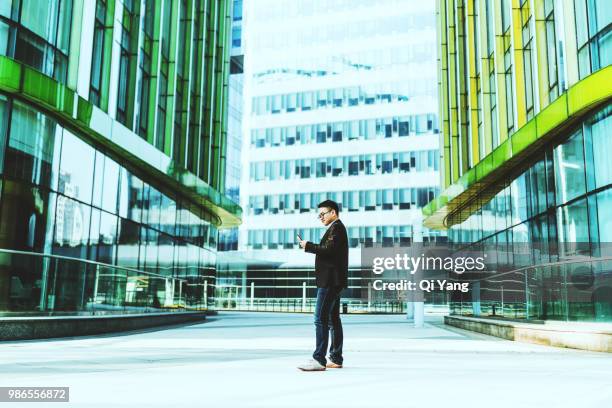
column 575, row 289
column 299, row 305
column 33, row 283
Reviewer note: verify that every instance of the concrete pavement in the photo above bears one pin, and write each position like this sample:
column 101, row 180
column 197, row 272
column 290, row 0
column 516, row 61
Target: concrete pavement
column 249, row 360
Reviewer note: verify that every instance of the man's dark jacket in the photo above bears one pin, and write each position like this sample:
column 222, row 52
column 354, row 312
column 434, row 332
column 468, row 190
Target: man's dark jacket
column 331, row 262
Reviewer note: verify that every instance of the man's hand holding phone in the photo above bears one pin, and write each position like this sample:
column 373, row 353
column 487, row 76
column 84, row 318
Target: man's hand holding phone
column 301, row 242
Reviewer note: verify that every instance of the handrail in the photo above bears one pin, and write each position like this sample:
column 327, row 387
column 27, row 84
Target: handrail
column 548, row 264
column 68, row 258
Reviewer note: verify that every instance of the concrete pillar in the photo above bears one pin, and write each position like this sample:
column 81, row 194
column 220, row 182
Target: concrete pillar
column 410, row 312
column 206, row 294
column 476, row 298
column 419, row 314
column 252, row 293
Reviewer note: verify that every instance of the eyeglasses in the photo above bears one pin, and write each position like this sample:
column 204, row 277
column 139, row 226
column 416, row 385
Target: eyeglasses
column 322, row 215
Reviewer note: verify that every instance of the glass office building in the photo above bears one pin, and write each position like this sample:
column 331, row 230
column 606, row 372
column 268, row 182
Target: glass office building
column 341, row 104
column 112, row 155
column 527, row 130
column 228, row 238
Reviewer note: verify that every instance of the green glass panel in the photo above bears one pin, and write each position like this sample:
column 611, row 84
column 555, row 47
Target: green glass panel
column 484, row 167
column 552, row 116
column 84, row 111
column 471, row 177
column 524, row 137
column 10, row 74
column 502, row 154
column 593, row 88
column 40, row 86
column 478, row 169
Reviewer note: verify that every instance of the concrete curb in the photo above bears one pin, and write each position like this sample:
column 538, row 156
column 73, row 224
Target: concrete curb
column 27, row 328
column 576, row 335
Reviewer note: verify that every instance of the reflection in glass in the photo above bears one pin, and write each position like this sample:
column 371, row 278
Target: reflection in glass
column 110, row 186
column 76, row 168
column 57, row 218
column 573, row 224
column 107, row 244
column 72, row 220
column 569, row 169
column 167, row 215
column 40, row 17
column 599, row 142
column 26, row 213
column 131, row 197
column 604, row 215
column 3, row 112
column 33, row 147
column 128, row 244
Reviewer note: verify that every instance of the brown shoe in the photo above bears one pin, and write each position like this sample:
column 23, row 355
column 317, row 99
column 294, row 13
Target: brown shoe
column 331, row 364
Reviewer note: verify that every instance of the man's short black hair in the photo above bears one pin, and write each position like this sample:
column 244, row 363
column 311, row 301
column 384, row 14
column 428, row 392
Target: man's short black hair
column 330, row 204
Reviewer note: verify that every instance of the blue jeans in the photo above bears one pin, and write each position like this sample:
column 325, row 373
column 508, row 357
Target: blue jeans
column 326, row 318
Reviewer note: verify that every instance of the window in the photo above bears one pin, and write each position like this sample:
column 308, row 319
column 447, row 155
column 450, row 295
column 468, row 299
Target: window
column 387, row 163
column 236, row 36
column 76, row 168
column 33, row 148
column 321, row 167
column 404, row 128
column 97, row 57
column 551, row 49
column 237, row 15
column 476, row 37
column 506, row 11
column 490, row 27
column 146, row 53
column 569, row 169
column 160, row 138
column 321, row 137
column 604, row 215
column 161, row 108
column 3, row 126
column 528, row 68
column 124, row 76
column 573, row 224
column 509, row 93
column 593, row 35
column 353, row 168
column 110, row 185
column 493, row 100
column 598, row 147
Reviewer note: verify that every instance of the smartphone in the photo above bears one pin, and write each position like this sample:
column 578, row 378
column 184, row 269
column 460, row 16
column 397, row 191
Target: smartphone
column 299, row 237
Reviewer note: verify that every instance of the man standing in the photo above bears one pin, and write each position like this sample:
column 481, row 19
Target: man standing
column 331, row 276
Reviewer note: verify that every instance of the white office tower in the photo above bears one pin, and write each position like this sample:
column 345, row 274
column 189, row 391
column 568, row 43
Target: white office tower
column 342, row 96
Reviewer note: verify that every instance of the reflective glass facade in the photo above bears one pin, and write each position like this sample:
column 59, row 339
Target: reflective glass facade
column 538, row 190
column 96, row 213
column 228, row 238
column 553, row 214
column 561, row 198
